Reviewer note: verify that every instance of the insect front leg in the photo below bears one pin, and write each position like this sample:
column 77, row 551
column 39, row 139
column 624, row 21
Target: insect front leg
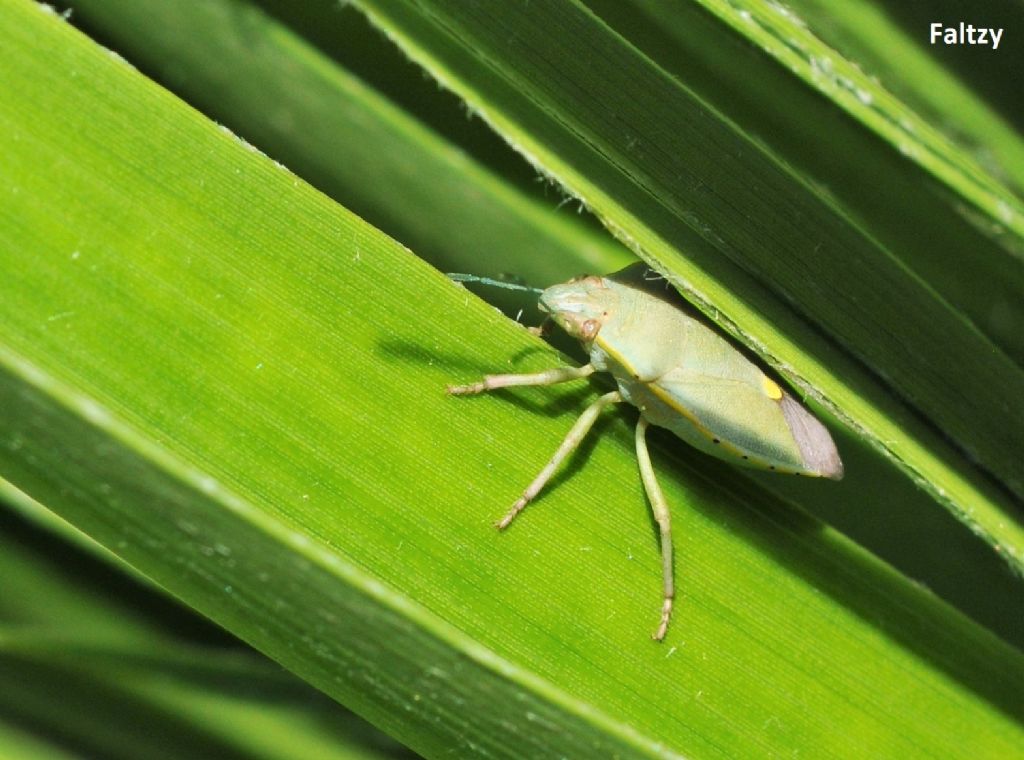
column 548, row 377
column 661, row 514
column 572, row 440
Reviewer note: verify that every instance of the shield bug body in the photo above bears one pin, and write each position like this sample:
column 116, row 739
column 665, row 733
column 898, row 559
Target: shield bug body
column 681, row 375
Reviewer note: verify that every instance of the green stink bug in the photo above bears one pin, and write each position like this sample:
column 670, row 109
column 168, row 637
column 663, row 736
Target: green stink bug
column 681, row 375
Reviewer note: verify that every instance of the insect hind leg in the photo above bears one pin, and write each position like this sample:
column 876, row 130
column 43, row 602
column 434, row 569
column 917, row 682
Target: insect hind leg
column 661, row 514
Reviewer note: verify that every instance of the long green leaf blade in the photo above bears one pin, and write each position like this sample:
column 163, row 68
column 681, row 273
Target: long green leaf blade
column 846, row 135
column 233, row 383
column 459, row 217
column 138, row 675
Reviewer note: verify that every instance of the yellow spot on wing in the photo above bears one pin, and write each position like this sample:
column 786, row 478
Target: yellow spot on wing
column 771, row 388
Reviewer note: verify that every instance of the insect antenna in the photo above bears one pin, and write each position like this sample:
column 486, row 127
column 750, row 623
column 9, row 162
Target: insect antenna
column 457, row 277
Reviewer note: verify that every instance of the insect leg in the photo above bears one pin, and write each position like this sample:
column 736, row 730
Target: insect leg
column 572, row 440
column 548, row 377
column 660, row 508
